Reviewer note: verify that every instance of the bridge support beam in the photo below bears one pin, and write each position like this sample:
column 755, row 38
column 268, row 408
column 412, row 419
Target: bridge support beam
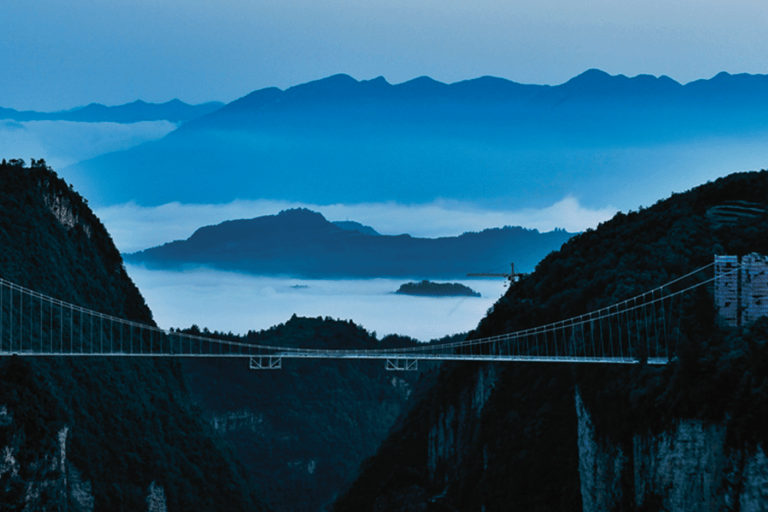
column 409, row 365
column 265, row 363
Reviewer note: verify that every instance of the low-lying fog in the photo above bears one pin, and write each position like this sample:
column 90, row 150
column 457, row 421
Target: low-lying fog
column 63, row 143
column 226, row 301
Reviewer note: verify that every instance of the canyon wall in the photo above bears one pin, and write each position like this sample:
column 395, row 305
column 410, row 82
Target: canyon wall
column 689, row 467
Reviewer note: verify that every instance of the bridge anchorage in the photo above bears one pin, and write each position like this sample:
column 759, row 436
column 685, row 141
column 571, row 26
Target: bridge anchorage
column 642, row 329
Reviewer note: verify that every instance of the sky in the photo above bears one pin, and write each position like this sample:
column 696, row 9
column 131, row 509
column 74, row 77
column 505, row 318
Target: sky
column 68, row 54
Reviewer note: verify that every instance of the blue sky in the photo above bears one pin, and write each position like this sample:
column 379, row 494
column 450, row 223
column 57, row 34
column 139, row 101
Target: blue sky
column 66, row 54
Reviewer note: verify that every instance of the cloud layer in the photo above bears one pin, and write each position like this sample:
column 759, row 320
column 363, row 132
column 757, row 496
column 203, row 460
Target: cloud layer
column 135, row 227
column 63, row 143
column 231, row 302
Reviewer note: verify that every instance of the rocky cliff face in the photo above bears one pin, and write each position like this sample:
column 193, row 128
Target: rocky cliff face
column 103, row 433
column 31, row 488
column 688, row 436
column 237, row 420
column 52, row 483
column 687, row 468
column 456, row 427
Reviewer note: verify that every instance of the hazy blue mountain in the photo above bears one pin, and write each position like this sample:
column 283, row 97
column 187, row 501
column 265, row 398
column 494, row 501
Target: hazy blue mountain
column 506, row 144
column 174, row 110
column 303, row 243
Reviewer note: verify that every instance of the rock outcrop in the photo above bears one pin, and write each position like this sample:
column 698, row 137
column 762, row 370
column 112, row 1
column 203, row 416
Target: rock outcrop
column 686, row 468
column 456, row 427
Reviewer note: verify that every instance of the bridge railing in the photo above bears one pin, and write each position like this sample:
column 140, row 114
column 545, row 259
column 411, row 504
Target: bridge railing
column 642, row 328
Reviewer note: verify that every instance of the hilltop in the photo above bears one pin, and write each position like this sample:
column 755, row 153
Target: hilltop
column 303, row 243
column 175, row 111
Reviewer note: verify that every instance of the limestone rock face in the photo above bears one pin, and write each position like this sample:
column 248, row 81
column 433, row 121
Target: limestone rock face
column 80, row 491
column 46, row 483
column 237, row 420
column 156, row 499
column 687, row 468
column 754, row 495
column 600, row 465
column 61, row 207
column 456, row 427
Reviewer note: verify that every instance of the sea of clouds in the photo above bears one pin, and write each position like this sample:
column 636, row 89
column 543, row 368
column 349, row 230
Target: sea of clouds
column 63, row 143
column 231, row 302
column 134, row 227
column 228, row 301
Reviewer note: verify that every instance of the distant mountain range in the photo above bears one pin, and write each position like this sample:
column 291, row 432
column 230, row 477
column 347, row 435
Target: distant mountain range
column 302, row 243
column 174, row 110
column 604, row 139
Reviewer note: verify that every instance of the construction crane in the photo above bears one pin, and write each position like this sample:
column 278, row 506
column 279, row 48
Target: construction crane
column 512, row 276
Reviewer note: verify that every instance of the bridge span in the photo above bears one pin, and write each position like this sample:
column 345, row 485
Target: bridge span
column 641, row 329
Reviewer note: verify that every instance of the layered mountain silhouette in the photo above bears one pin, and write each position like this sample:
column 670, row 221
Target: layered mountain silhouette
column 604, row 139
column 302, row 243
column 174, row 110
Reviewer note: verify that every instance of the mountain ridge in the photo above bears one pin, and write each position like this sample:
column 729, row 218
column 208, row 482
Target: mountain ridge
column 591, row 83
column 174, row 110
column 484, row 141
column 302, row 243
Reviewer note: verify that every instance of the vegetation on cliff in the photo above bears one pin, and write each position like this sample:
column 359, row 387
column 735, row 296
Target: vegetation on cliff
column 520, row 449
column 303, row 430
column 130, row 421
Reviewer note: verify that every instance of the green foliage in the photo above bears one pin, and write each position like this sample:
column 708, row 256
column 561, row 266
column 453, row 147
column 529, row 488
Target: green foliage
column 522, row 452
column 32, row 416
column 130, row 421
column 303, row 430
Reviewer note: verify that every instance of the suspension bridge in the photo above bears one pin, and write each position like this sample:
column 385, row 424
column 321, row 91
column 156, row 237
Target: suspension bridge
column 643, row 328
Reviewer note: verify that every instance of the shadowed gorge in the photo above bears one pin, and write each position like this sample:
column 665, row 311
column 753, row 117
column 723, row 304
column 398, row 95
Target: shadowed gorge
column 304, row 429
column 554, row 437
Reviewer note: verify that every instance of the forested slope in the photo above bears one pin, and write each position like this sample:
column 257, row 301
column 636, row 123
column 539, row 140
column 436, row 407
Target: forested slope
column 104, row 434
column 303, row 430
column 510, row 437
